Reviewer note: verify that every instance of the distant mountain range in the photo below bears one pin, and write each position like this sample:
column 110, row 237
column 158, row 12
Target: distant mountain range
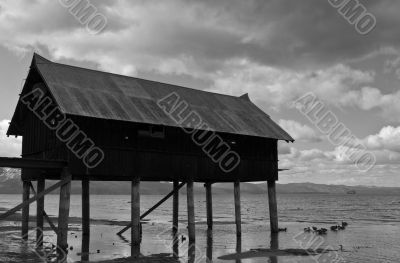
column 11, row 184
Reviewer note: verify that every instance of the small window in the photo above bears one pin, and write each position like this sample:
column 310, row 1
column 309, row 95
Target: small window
column 153, row 131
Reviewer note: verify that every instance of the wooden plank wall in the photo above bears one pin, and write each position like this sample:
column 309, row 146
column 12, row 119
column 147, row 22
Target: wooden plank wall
column 127, row 152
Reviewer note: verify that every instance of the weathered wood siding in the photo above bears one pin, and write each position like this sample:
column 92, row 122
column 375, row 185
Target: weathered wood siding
column 127, row 152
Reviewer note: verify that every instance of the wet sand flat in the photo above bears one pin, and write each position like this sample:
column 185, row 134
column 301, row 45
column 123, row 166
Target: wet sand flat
column 157, row 244
column 364, row 241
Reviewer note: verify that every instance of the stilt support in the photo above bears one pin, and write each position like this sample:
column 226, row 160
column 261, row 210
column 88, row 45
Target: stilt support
column 190, row 210
column 85, row 219
column 40, row 213
column 209, row 249
column 85, row 207
column 209, row 206
column 273, row 208
column 135, row 211
column 63, row 213
column 25, row 209
column 175, row 208
column 238, row 217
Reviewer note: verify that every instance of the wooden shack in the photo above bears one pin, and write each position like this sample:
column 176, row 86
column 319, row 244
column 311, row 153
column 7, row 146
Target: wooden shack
column 132, row 130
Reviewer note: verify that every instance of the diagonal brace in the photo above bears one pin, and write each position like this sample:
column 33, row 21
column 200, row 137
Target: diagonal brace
column 154, row 207
column 55, row 229
column 34, row 199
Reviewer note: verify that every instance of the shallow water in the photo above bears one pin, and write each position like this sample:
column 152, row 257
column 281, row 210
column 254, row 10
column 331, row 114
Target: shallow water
column 373, row 234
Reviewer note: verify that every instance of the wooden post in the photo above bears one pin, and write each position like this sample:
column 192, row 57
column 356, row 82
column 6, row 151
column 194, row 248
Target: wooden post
column 209, row 249
column 238, row 218
column 85, row 207
column 40, row 212
column 238, row 248
column 273, row 209
column 209, row 205
column 175, row 247
column 85, row 219
column 135, row 211
column 274, row 241
column 175, row 208
column 63, row 213
column 190, row 210
column 25, row 210
column 274, row 246
column 191, row 252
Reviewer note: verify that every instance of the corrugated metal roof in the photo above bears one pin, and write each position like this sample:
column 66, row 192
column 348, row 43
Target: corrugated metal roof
column 90, row 93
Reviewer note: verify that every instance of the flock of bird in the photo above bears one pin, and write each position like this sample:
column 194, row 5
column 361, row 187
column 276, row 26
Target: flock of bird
column 323, row 231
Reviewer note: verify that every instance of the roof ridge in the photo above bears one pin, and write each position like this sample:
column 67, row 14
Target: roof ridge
column 120, row 75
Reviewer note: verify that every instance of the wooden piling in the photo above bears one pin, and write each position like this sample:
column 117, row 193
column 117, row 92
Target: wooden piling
column 274, row 241
column 209, row 249
column 85, row 249
column 191, row 256
column 63, row 213
column 209, row 205
column 175, row 208
column 175, row 247
column 85, row 207
column 274, row 246
column 190, row 210
column 25, row 210
column 273, row 208
column 238, row 248
column 135, row 212
column 40, row 213
column 238, row 218
column 85, row 219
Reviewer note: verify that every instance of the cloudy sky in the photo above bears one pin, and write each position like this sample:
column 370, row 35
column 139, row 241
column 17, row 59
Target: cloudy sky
column 275, row 50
